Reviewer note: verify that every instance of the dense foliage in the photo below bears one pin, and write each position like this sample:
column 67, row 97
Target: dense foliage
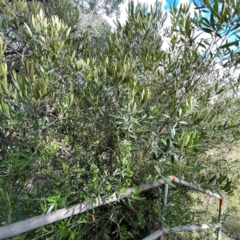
column 86, row 112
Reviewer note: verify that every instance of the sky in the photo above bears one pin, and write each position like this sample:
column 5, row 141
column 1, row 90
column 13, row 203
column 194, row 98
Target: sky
column 165, row 3
column 170, row 2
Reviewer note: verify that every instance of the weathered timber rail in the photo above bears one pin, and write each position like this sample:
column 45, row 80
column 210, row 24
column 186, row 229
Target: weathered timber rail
column 29, row 224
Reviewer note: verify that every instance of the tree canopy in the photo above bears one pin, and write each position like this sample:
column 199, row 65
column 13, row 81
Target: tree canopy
column 85, row 112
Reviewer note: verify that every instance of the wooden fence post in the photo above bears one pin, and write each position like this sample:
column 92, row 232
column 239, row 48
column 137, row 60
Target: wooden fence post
column 164, row 204
column 219, row 230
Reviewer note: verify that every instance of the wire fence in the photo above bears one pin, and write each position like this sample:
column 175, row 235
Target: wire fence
column 29, row 224
column 159, row 234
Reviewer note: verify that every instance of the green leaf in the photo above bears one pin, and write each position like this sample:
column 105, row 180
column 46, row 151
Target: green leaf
column 50, row 208
column 196, row 168
column 207, row 30
column 173, row 132
column 138, row 198
column 164, row 142
column 213, row 180
column 68, row 32
column 21, row 164
column 183, row 141
column 207, row 3
column 221, row 90
column 166, row 116
column 191, row 150
column 215, row 6
column 158, row 170
column 183, row 122
column 166, row 180
column 227, row 45
column 137, row 191
column 28, row 29
column 52, row 199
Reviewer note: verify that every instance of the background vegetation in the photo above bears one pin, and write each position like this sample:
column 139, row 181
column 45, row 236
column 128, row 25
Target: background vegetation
column 85, row 112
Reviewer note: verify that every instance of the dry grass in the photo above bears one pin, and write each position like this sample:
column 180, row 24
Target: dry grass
column 231, row 222
column 231, row 218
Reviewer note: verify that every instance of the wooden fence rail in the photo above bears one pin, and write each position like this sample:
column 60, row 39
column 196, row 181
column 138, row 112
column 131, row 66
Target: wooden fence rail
column 159, row 234
column 29, row 224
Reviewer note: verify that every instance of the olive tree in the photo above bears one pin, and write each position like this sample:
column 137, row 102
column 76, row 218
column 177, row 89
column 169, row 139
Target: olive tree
column 82, row 120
